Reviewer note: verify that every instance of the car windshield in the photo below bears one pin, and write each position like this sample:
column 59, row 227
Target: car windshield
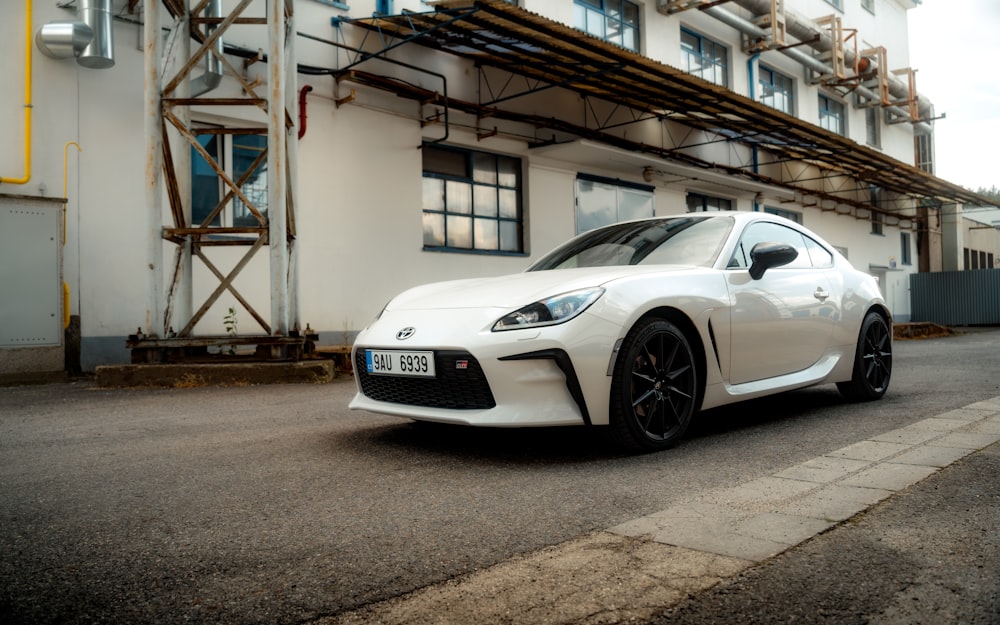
column 695, row 240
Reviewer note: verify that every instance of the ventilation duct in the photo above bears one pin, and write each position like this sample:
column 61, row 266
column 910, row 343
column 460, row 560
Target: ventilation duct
column 91, row 40
column 806, row 32
column 213, row 63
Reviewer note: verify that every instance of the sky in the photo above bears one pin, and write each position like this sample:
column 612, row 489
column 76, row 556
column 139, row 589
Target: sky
column 955, row 48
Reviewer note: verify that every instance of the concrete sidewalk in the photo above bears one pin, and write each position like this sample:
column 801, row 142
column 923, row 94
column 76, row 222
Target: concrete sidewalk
column 637, row 570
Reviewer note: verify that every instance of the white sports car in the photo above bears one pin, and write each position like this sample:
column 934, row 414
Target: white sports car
column 637, row 325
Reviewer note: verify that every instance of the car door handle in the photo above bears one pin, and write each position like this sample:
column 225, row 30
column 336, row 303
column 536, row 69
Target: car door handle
column 821, row 294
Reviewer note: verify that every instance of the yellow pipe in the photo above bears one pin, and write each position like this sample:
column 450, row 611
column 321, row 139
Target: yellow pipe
column 65, row 160
column 27, row 100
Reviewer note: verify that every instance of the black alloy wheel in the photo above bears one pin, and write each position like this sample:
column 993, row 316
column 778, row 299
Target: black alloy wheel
column 872, row 361
column 654, row 392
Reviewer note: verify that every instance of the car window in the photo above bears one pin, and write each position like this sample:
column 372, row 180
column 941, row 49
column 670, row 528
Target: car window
column 766, row 232
column 820, row 256
column 675, row 241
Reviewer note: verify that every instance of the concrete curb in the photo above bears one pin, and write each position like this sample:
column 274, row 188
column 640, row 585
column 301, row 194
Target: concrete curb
column 318, row 371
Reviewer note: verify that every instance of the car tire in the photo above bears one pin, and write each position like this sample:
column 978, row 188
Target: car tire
column 872, row 361
column 654, row 391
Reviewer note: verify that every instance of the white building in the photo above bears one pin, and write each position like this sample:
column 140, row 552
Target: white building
column 442, row 140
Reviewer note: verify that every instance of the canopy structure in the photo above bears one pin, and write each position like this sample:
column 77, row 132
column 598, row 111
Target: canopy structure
column 547, row 54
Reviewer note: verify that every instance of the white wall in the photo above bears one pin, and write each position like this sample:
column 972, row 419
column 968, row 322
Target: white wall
column 358, row 214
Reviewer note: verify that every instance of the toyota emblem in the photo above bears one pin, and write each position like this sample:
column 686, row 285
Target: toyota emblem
column 405, row 333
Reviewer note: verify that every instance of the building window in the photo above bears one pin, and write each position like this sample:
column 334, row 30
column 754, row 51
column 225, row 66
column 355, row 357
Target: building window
column 244, row 160
column 616, row 21
column 877, row 221
column 838, row 4
column 873, row 126
column 976, row 259
column 924, row 148
column 696, row 203
column 776, row 90
column 704, row 58
column 471, row 201
column 780, row 212
column 831, row 115
column 868, row 5
column 904, row 248
column 603, row 201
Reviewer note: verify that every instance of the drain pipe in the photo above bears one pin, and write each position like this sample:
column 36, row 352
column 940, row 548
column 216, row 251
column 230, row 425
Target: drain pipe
column 752, row 90
column 27, row 100
column 749, row 28
column 213, row 58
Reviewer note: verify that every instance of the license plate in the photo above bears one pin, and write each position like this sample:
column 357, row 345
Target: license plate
column 416, row 364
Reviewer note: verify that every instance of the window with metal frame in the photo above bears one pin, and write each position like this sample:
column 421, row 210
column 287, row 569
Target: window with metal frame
column 868, row 5
column 776, row 90
column 873, row 126
column 787, row 214
column 471, row 201
column 242, row 158
column 876, row 218
column 615, row 21
column 704, row 58
column 838, row 4
column 603, row 201
column 905, row 252
column 696, row 202
column 831, row 115
column 924, row 148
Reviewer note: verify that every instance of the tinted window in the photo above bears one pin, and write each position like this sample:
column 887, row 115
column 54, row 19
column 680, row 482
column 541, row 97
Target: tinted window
column 679, row 240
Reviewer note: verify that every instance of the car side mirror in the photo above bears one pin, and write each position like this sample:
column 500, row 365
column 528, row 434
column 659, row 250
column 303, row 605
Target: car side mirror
column 764, row 256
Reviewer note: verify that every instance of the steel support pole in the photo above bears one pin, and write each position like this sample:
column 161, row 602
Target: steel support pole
column 154, row 169
column 276, row 167
column 292, row 143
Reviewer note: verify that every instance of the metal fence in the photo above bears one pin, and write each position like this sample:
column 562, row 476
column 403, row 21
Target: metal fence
column 956, row 298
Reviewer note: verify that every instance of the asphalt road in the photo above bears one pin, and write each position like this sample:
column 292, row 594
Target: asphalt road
column 273, row 504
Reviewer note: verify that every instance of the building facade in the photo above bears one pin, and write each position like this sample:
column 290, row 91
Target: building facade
column 438, row 140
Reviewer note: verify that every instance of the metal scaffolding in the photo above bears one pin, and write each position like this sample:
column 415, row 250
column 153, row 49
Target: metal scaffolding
column 172, row 90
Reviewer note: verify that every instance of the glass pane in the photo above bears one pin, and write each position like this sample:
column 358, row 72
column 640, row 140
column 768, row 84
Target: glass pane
column 596, row 205
column 484, row 168
column 246, row 148
column 459, row 232
column 509, row 171
column 510, row 236
column 204, row 182
column 630, row 39
column 446, row 162
column 487, row 236
column 635, row 204
column 631, row 14
column 508, row 203
column 433, row 194
column 433, row 230
column 459, row 197
column 595, row 23
column 485, row 201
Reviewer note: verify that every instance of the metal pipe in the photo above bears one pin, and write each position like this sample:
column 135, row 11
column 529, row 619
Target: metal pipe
column 302, row 109
column 100, row 52
column 213, row 58
column 277, row 217
column 27, row 100
column 749, row 28
column 154, row 165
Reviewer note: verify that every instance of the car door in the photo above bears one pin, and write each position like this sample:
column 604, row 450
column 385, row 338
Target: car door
column 781, row 323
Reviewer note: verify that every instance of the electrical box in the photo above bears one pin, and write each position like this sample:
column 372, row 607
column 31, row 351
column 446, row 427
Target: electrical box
column 31, row 291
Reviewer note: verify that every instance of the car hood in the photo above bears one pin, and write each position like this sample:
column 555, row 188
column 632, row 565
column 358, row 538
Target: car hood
column 515, row 290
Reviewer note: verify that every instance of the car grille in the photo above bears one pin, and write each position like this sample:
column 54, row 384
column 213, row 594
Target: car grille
column 460, row 384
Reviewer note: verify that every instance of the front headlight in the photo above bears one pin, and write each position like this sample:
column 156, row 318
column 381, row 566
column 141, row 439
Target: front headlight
column 549, row 311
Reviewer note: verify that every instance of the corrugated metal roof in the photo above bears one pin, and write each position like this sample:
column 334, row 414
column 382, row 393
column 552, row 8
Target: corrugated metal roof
column 498, row 34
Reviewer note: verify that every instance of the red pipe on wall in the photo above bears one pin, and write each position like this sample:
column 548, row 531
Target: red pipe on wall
column 302, row 109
